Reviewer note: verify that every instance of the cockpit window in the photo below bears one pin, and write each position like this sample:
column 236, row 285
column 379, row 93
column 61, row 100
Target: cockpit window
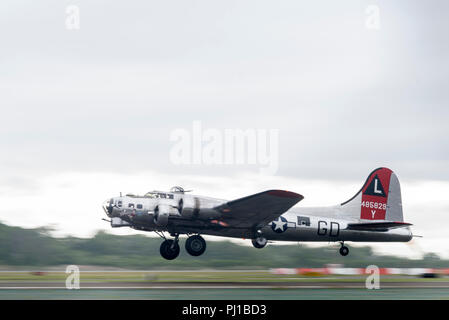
column 119, row 203
column 151, row 195
column 304, row 221
column 159, row 195
column 130, row 205
column 139, row 206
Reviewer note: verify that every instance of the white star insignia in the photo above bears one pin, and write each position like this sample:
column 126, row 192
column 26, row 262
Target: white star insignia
column 279, row 224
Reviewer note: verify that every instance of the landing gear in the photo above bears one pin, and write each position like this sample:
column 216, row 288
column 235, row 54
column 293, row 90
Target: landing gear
column 344, row 250
column 259, row 242
column 195, row 245
column 169, row 249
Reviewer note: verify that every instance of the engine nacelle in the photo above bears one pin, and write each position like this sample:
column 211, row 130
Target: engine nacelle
column 161, row 214
column 190, row 207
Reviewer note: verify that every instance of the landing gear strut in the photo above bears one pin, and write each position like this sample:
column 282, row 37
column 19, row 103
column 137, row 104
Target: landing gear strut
column 195, row 245
column 170, row 248
column 344, row 250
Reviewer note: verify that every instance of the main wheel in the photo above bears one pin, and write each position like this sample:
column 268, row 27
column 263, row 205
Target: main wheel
column 259, row 242
column 344, row 251
column 169, row 250
column 195, row 245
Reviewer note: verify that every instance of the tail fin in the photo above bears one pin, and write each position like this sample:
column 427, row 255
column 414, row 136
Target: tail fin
column 379, row 198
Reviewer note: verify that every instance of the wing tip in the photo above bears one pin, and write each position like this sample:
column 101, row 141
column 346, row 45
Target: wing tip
column 285, row 194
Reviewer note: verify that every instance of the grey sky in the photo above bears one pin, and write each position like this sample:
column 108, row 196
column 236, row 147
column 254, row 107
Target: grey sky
column 105, row 98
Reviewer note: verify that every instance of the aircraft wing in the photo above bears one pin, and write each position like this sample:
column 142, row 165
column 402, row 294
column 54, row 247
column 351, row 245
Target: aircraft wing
column 258, row 209
column 377, row 226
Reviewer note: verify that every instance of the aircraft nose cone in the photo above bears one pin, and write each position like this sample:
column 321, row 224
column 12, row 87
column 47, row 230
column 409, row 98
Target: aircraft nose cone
column 108, row 206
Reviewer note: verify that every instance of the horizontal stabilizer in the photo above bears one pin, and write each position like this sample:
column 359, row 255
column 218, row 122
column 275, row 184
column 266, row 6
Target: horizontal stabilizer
column 377, row 226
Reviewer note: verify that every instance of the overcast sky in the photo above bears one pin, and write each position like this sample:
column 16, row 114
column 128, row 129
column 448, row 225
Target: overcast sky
column 88, row 112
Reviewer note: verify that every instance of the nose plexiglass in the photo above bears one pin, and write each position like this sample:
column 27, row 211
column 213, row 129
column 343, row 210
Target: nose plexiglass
column 107, row 206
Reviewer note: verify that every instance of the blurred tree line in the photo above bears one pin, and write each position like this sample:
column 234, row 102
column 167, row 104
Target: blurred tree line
column 36, row 247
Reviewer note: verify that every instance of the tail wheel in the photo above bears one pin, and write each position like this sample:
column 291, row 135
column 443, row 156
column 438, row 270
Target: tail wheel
column 259, row 242
column 169, row 249
column 344, row 251
column 195, row 245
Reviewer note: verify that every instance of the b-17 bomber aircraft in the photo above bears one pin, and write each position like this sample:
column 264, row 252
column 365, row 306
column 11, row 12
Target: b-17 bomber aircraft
column 374, row 214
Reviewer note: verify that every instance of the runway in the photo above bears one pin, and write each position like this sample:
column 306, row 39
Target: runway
column 213, row 285
column 227, row 294
column 32, row 285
